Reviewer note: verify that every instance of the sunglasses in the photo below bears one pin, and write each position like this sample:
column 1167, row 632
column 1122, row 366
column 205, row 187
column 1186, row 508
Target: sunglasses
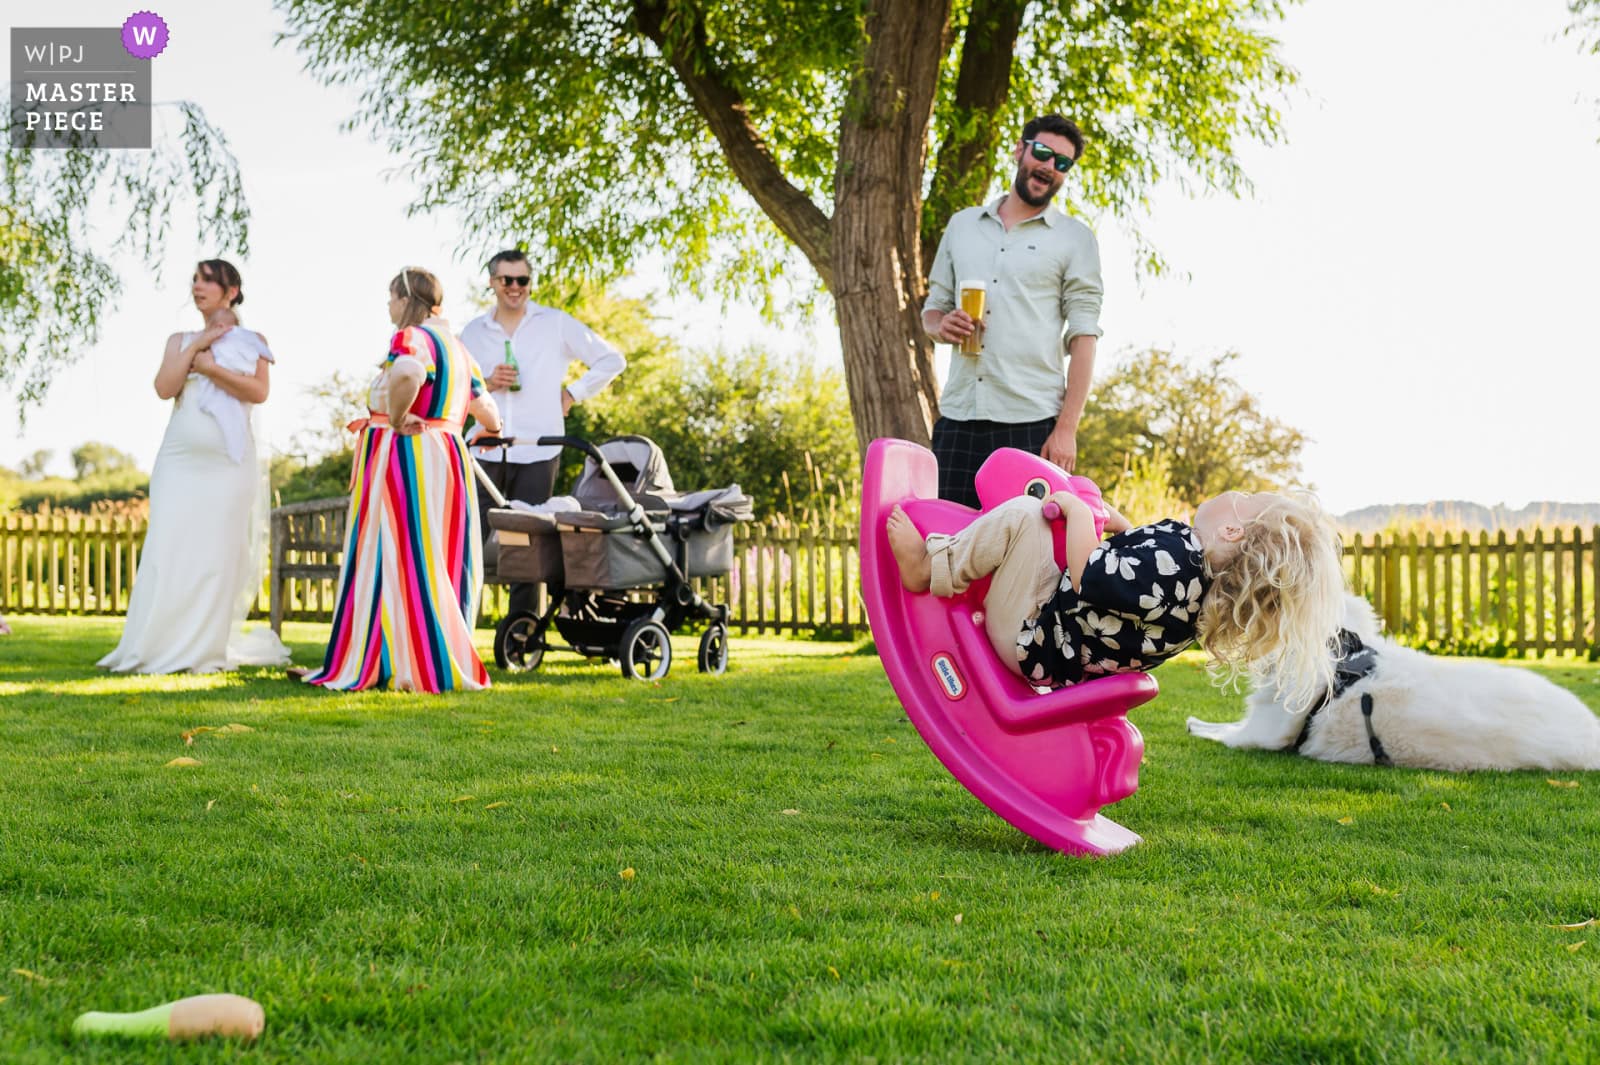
column 519, row 281
column 1045, row 153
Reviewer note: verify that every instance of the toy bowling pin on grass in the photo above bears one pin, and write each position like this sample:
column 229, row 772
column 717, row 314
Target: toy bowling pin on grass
column 233, row 1016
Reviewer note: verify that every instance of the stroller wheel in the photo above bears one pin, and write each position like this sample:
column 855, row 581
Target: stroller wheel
column 646, row 650
column 519, row 643
column 713, row 656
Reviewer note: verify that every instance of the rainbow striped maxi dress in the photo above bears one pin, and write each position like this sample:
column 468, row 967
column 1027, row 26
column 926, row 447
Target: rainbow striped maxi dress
column 413, row 565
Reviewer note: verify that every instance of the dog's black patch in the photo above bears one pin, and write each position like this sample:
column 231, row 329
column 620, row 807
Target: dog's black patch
column 1379, row 755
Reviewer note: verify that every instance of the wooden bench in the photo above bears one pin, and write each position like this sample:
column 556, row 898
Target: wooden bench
column 307, row 546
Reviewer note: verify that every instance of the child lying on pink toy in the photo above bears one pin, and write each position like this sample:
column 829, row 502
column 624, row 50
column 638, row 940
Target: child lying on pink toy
column 1256, row 578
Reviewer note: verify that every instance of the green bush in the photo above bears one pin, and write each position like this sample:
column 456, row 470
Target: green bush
column 779, row 426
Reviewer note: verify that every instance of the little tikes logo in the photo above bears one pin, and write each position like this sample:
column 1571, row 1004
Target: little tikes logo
column 949, row 677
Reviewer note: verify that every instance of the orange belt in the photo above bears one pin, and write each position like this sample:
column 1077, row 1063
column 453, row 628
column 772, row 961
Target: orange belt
column 381, row 421
column 374, row 420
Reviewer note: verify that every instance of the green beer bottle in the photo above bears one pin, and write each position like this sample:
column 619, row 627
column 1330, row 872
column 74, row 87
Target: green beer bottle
column 511, row 361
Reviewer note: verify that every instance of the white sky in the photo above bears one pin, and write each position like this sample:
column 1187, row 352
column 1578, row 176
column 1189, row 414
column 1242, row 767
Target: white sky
column 1407, row 284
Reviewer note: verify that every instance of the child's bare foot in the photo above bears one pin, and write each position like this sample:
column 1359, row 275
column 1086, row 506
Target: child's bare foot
column 910, row 551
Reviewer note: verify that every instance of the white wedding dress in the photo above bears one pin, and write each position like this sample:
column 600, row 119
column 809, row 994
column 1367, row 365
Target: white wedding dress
column 200, row 568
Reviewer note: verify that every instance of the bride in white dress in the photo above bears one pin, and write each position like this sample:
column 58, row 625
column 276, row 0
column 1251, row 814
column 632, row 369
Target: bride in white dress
column 200, row 568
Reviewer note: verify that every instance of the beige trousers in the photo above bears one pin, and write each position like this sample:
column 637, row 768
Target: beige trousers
column 1016, row 545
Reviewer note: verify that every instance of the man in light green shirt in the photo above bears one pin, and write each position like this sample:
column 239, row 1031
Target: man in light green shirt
column 1041, row 273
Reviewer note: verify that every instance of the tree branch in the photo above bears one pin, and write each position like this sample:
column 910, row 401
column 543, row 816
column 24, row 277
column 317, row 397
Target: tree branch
column 982, row 86
column 724, row 110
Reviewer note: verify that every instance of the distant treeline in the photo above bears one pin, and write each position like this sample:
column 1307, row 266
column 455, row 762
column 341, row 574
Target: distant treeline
column 1459, row 514
column 101, row 474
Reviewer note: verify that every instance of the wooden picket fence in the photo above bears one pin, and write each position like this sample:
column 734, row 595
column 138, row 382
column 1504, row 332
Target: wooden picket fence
column 785, row 578
column 1493, row 594
column 1523, row 593
column 67, row 563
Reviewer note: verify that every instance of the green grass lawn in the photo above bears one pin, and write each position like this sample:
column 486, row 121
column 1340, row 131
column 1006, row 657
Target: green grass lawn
column 406, row 878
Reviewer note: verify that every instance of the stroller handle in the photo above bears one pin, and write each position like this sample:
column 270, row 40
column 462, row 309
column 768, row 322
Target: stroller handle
column 572, row 441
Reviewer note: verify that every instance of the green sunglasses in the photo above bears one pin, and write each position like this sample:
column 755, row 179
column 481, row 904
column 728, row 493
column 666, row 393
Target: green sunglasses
column 1045, row 153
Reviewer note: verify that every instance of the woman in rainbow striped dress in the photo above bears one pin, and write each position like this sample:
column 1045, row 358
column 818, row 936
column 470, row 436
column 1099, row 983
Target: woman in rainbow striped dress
column 413, row 567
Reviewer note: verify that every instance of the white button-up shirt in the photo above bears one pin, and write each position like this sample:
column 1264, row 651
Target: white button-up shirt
column 545, row 342
column 1043, row 280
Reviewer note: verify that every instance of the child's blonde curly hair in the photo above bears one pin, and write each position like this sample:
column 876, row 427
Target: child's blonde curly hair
column 1275, row 601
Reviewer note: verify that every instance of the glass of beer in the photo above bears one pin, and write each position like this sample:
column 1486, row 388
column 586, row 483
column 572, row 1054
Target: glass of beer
column 974, row 295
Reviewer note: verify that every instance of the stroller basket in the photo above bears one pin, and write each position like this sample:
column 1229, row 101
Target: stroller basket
column 529, row 547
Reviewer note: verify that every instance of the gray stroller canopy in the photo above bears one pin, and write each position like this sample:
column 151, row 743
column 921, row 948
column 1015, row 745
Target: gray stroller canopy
column 638, row 464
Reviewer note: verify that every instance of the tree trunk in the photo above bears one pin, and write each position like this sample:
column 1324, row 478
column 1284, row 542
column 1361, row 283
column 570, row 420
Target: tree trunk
column 878, row 275
column 983, row 84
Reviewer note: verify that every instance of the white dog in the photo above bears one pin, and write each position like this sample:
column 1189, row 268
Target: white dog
column 1391, row 705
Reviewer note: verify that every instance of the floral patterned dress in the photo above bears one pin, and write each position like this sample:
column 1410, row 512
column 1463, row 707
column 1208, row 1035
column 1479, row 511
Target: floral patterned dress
column 1139, row 605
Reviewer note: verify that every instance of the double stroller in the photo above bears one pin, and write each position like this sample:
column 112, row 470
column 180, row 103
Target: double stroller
column 619, row 566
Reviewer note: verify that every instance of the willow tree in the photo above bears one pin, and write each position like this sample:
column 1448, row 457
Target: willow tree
column 768, row 145
column 73, row 220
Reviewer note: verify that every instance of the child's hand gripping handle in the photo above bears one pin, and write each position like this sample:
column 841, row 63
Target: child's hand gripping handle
column 1087, row 491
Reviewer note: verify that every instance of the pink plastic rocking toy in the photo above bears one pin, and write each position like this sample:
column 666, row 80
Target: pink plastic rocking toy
column 1045, row 762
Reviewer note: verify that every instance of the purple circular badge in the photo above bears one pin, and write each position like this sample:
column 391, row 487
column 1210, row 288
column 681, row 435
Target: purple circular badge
column 144, row 35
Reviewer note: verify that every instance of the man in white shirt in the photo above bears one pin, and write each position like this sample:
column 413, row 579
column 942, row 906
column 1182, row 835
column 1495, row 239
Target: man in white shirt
column 1041, row 272
column 523, row 351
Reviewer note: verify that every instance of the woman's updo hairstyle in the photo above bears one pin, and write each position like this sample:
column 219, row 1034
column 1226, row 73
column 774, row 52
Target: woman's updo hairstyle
column 223, row 273
column 421, row 291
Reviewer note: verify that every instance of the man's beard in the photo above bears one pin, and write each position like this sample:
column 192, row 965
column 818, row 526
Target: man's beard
column 1027, row 195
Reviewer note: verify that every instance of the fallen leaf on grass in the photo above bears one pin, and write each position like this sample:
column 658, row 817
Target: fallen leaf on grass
column 1445, row 807
column 791, row 811
column 1581, row 924
column 1562, row 783
column 890, row 739
column 958, row 918
column 1347, row 820
column 834, row 972
column 463, row 798
column 30, row 975
column 627, row 874
column 209, row 804
column 555, row 750
column 1573, row 947
column 495, row 805
column 220, row 730
column 183, row 761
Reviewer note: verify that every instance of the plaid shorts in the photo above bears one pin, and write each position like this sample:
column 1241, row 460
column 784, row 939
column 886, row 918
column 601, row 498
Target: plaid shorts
column 962, row 447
